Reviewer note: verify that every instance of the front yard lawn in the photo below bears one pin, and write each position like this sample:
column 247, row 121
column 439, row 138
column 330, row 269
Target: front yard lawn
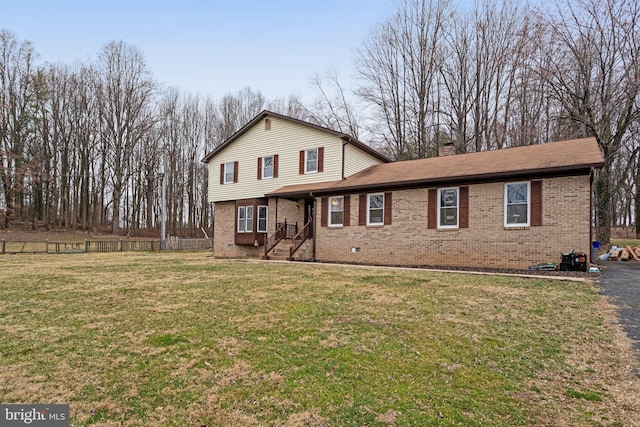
column 185, row 339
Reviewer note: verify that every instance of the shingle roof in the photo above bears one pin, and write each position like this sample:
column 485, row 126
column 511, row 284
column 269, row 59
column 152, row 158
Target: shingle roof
column 553, row 157
column 266, row 113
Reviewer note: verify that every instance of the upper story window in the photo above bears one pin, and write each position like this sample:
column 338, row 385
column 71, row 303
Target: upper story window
column 375, row 209
column 229, row 172
column 448, row 207
column 311, row 161
column 517, row 204
column 267, row 167
column 336, row 211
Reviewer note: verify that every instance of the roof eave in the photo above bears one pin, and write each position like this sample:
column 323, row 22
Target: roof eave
column 578, row 169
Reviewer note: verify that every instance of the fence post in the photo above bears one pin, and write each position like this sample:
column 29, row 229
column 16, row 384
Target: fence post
column 87, row 246
column 46, row 246
column 3, row 246
column 120, row 245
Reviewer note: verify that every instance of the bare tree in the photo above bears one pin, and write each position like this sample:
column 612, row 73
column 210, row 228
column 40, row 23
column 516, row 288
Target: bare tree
column 234, row 110
column 397, row 67
column 16, row 114
column 332, row 107
column 593, row 69
column 291, row 106
column 125, row 92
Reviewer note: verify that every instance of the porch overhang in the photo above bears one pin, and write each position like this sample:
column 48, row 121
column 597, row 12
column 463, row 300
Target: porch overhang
column 301, row 191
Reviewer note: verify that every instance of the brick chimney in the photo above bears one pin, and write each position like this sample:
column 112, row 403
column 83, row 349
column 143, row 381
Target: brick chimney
column 446, row 149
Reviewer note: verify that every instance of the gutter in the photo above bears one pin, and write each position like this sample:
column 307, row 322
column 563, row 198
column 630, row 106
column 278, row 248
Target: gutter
column 419, row 183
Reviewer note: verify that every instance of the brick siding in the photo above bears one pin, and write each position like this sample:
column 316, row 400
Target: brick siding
column 486, row 243
column 225, row 227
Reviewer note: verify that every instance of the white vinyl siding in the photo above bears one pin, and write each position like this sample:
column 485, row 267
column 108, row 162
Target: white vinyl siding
column 288, row 139
column 356, row 160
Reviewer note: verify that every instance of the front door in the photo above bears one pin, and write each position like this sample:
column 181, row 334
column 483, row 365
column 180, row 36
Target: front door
column 308, row 210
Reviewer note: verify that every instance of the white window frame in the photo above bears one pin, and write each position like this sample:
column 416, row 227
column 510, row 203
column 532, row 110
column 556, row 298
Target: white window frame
column 306, row 160
column 369, row 197
column 241, row 226
column 264, row 168
column 266, row 219
column 331, row 223
column 507, row 204
column 440, row 207
column 229, row 171
column 245, row 219
column 249, row 226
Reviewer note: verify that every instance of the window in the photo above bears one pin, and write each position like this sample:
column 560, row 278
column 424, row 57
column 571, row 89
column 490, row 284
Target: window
column 241, row 219
column 263, row 212
column 267, row 167
column 516, row 204
column 448, row 207
column 245, row 219
column 229, row 172
column 252, row 218
column 375, row 209
column 336, row 211
column 311, row 160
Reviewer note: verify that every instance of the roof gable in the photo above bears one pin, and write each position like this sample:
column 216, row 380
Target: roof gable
column 265, row 113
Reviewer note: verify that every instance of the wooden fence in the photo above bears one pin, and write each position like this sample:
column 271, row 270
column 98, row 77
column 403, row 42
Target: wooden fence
column 180, row 244
column 45, row 246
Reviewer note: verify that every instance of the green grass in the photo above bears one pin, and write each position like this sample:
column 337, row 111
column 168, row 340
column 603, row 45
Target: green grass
column 183, row 339
column 588, row 395
column 625, row 242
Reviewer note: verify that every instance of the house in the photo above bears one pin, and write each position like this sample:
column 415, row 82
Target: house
column 268, row 153
column 503, row 209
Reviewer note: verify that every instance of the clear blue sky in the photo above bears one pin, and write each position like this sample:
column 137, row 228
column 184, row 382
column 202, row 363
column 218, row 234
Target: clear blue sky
column 212, row 47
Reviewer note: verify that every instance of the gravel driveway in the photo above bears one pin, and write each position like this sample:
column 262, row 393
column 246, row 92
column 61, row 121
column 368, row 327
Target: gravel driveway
column 621, row 282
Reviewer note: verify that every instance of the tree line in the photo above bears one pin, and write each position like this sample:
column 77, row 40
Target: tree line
column 502, row 74
column 81, row 144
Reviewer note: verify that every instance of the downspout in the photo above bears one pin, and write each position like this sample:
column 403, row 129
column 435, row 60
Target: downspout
column 346, row 139
column 343, row 159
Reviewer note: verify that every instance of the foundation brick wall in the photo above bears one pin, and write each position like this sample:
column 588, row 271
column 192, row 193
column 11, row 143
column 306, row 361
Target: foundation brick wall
column 225, row 227
column 485, row 244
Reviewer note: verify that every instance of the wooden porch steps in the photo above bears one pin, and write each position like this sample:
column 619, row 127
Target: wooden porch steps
column 281, row 251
